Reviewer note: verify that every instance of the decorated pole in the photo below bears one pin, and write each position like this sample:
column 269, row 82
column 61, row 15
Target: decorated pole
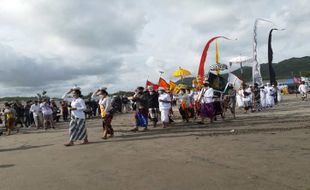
column 256, row 73
column 217, row 58
column 201, row 69
column 272, row 74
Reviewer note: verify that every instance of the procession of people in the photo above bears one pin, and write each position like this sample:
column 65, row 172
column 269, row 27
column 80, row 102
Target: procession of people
column 151, row 106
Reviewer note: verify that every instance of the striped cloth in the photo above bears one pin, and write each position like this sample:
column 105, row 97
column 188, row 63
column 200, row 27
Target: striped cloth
column 207, row 110
column 77, row 129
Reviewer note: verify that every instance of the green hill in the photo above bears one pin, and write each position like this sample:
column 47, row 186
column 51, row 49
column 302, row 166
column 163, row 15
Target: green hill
column 285, row 69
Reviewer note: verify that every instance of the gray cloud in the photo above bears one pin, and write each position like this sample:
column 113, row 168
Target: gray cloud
column 54, row 44
column 112, row 26
column 29, row 72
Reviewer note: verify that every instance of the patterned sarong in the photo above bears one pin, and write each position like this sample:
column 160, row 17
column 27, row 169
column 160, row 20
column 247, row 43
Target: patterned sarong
column 77, row 129
column 141, row 118
column 207, row 110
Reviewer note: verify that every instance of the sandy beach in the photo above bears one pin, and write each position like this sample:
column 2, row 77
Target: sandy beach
column 265, row 150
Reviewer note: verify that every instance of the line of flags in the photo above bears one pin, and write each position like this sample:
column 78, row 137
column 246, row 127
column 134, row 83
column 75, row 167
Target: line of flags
column 216, row 82
column 162, row 83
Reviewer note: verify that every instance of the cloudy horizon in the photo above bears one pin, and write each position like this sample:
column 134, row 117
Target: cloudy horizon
column 53, row 45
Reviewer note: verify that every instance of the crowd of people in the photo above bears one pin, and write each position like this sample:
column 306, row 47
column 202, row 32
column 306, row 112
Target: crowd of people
column 258, row 98
column 149, row 106
column 39, row 114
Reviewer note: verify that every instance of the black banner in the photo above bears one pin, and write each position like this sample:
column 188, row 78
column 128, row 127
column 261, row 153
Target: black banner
column 217, row 82
column 272, row 74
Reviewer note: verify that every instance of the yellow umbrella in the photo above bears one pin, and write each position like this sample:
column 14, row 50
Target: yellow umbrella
column 181, row 73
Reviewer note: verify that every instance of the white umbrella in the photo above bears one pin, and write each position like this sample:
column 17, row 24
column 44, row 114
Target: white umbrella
column 241, row 59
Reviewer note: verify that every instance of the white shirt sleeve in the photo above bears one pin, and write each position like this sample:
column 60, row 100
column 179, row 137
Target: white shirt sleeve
column 108, row 105
column 94, row 96
column 66, row 98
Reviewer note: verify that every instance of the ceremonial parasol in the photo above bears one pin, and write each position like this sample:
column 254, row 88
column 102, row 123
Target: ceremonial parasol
column 181, row 73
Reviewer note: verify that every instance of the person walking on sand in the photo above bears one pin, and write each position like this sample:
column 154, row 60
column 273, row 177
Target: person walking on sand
column 28, row 114
column 9, row 117
column 164, row 106
column 37, row 114
column 77, row 127
column 20, row 114
column 184, row 102
column 270, row 96
column 303, row 89
column 206, row 96
column 47, row 114
column 141, row 115
column 256, row 98
column 106, row 111
column 64, row 110
column 153, row 105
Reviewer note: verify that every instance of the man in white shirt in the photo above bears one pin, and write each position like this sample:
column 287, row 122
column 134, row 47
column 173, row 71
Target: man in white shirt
column 205, row 97
column 37, row 114
column 164, row 106
column 47, row 114
column 303, row 89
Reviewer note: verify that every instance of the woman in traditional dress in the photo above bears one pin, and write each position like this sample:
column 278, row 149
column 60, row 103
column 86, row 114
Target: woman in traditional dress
column 9, row 117
column 184, row 101
column 106, row 111
column 77, row 128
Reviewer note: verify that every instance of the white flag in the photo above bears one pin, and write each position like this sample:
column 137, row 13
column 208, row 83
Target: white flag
column 235, row 81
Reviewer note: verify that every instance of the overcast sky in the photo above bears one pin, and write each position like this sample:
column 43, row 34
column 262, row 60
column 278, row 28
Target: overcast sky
column 54, row 44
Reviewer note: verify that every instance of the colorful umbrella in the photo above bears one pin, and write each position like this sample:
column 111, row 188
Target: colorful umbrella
column 181, row 73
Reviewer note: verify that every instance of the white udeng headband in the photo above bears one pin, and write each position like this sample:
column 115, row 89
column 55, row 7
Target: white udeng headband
column 76, row 88
column 103, row 88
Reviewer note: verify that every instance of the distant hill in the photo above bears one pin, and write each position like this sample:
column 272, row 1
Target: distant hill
column 285, row 69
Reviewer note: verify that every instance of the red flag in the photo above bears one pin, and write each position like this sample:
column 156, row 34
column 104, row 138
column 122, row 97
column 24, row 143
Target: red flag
column 148, row 83
column 163, row 83
column 201, row 69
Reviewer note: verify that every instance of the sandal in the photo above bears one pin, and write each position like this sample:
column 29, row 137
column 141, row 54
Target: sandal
column 85, row 142
column 69, row 144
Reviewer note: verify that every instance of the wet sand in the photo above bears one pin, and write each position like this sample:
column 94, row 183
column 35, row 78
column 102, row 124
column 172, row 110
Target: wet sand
column 266, row 150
